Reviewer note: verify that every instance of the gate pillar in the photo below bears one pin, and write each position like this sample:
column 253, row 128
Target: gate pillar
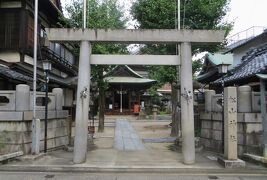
column 187, row 109
column 82, row 104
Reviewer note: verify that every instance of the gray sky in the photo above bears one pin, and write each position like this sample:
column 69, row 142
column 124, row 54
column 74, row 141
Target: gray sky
column 245, row 13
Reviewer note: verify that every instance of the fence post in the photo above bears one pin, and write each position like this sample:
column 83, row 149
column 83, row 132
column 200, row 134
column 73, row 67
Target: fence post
column 22, row 97
column 59, row 97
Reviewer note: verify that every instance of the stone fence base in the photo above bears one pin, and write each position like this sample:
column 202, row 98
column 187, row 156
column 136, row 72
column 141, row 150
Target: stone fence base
column 249, row 132
column 17, row 135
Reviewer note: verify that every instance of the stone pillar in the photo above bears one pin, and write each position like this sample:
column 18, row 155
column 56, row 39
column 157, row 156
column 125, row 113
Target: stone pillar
column 230, row 159
column 208, row 100
column 59, row 98
column 82, row 104
column 263, row 117
column 155, row 111
column 230, row 123
column 244, row 99
column 22, row 97
column 187, row 116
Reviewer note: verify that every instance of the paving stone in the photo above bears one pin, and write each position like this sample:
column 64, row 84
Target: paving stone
column 125, row 137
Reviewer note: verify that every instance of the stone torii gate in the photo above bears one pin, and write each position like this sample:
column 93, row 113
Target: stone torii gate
column 88, row 36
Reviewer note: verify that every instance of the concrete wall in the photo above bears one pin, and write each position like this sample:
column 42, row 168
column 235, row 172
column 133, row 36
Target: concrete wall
column 16, row 120
column 249, row 128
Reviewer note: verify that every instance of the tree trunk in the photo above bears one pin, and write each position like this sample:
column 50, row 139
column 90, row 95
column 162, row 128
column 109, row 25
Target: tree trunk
column 101, row 109
column 175, row 112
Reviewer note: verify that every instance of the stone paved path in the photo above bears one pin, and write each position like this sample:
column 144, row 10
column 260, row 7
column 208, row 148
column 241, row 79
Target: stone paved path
column 126, row 137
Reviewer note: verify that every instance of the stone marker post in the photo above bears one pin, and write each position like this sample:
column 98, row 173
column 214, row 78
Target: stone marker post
column 230, row 124
column 230, row 159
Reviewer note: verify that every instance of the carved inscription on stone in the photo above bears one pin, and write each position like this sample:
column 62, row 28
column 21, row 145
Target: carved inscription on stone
column 230, row 123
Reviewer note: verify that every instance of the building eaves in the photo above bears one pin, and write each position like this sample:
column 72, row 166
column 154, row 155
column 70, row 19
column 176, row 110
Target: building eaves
column 262, row 76
column 128, row 80
column 118, row 68
column 27, row 69
column 217, row 58
column 254, row 62
column 11, row 74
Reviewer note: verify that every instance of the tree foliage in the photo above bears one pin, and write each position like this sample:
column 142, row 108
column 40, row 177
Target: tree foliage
column 100, row 14
column 195, row 14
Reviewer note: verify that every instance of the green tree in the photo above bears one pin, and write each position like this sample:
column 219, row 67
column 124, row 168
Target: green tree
column 100, row 14
column 195, row 14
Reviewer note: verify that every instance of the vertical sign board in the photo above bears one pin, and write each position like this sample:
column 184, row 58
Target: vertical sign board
column 230, row 123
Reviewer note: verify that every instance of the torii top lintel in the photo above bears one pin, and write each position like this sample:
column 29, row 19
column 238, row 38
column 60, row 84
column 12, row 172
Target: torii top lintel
column 135, row 35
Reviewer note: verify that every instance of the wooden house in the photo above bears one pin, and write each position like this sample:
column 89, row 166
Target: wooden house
column 16, row 47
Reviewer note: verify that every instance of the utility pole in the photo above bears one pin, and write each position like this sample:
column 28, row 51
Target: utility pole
column 84, row 14
column 179, row 14
column 178, row 52
column 35, row 122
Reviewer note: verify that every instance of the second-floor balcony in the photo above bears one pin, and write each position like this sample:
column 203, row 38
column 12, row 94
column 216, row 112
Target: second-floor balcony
column 59, row 62
column 244, row 36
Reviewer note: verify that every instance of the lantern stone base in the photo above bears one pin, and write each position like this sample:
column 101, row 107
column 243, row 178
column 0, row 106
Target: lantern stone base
column 238, row 163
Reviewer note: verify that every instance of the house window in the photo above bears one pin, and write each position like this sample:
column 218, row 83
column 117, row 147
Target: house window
column 30, row 31
column 52, row 46
column 69, row 57
column 62, row 52
column 9, row 29
column 43, row 33
column 57, row 48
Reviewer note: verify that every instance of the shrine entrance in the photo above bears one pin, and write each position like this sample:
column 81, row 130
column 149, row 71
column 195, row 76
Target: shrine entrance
column 136, row 36
column 126, row 89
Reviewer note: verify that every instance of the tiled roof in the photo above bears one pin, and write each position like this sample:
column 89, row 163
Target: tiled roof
column 209, row 70
column 217, row 58
column 124, row 71
column 8, row 73
column 254, row 62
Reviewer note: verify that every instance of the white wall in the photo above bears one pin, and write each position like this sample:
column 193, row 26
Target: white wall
column 10, row 56
column 10, row 4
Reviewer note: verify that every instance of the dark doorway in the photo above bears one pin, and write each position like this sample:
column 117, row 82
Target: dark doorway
column 125, row 100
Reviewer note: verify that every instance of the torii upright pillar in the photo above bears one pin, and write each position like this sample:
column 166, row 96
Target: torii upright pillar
column 187, row 106
column 82, row 104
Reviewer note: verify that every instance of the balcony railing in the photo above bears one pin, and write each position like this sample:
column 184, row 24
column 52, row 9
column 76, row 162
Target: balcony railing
column 59, row 61
column 244, row 36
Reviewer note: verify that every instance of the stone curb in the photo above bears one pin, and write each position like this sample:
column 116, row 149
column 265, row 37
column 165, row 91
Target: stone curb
column 139, row 169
